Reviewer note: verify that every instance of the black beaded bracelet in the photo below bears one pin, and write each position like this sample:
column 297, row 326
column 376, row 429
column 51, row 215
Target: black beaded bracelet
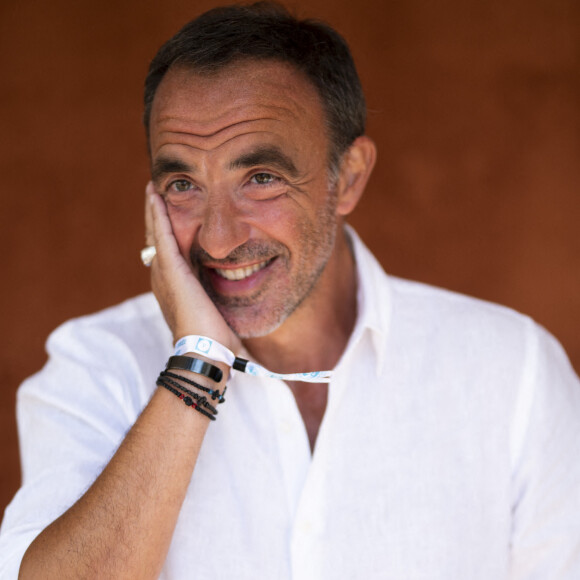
column 201, row 399
column 186, row 399
column 213, row 393
column 195, row 365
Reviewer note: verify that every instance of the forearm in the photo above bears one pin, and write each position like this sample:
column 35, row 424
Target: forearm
column 122, row 526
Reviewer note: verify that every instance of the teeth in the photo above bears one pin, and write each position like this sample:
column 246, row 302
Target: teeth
column 241, row 273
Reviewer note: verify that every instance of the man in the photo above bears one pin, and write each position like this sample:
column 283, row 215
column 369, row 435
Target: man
column 445, row 445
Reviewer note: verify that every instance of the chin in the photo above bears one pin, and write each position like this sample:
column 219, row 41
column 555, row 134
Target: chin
column 254, row 325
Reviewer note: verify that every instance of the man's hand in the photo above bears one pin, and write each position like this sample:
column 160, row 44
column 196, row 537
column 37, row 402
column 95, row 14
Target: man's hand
column 186, row 306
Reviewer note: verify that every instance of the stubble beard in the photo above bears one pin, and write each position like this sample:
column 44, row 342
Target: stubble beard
column 263, row 312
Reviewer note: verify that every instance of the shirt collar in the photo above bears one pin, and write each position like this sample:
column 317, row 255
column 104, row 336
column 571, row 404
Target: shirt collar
column 373, row 300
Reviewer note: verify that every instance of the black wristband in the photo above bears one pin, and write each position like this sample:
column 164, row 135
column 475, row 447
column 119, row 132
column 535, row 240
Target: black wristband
column 195, row 365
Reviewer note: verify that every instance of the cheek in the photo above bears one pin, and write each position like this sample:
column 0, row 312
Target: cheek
column 282, row 219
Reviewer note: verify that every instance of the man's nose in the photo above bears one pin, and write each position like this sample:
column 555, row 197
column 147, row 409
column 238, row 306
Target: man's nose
column 223, row 228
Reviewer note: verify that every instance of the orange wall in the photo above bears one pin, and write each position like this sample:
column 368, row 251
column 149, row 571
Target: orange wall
column 473, row 104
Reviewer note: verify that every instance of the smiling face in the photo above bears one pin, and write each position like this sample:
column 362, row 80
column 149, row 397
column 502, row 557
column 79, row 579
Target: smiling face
column 241, row 158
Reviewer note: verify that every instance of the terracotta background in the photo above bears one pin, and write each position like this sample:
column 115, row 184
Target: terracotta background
column 474, row 105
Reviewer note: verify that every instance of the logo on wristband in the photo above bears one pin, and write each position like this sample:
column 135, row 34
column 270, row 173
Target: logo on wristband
column 203, row 344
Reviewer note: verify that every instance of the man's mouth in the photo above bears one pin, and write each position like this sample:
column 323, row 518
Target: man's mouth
column 237, row 274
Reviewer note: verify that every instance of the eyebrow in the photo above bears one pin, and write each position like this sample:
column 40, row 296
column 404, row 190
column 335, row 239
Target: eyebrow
column 167, row 165
column 268, row 155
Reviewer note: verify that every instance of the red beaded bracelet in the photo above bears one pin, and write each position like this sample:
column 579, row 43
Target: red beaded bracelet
column 185, row 398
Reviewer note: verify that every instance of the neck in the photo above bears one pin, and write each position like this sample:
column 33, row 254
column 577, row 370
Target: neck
column 314, row 337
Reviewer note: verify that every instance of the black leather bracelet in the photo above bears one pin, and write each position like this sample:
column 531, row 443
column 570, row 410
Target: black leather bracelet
column 195, row 365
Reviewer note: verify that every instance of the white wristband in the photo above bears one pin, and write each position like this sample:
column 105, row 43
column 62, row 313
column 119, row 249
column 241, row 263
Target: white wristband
column 206, row 347
column 219, row 353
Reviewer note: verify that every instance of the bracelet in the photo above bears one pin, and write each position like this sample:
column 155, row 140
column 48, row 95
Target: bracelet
column 219, row 353
column 187, row 400
column 213, row 393
column 195, row 365
column 206, row 347
column 201, row 399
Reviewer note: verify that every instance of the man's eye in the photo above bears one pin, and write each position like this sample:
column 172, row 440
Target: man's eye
column 263, row 178
column 179, row 185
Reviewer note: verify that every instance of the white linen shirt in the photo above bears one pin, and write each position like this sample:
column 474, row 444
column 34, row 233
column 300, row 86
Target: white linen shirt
column 449, row 449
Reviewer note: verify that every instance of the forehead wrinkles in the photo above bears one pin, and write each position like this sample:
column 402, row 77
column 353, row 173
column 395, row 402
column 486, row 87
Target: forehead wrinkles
column 209, row 136
column 204, row 112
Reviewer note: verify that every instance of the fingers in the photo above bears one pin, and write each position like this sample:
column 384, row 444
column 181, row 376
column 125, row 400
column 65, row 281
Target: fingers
column 149, row 240
column 163, row 238
column 159, row 232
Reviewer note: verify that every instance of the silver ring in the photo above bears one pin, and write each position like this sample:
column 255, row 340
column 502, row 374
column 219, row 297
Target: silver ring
column 147, row 255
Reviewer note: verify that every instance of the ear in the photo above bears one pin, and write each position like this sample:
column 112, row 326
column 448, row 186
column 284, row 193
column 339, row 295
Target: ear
column 355, row 169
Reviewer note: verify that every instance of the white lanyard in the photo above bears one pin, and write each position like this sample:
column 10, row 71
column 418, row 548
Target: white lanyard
column 219, row 353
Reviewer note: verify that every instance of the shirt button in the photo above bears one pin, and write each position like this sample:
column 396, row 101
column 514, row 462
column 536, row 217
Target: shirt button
column 305, row 526
column 286, row 426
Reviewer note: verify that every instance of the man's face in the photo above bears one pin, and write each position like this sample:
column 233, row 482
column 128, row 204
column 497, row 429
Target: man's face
column 241, row 158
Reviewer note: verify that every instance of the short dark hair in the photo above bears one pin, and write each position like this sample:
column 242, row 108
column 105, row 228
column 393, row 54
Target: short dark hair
column 266, row 30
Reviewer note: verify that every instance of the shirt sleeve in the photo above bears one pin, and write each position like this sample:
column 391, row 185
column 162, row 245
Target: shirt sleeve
column 546, row 475
column 72, row 416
